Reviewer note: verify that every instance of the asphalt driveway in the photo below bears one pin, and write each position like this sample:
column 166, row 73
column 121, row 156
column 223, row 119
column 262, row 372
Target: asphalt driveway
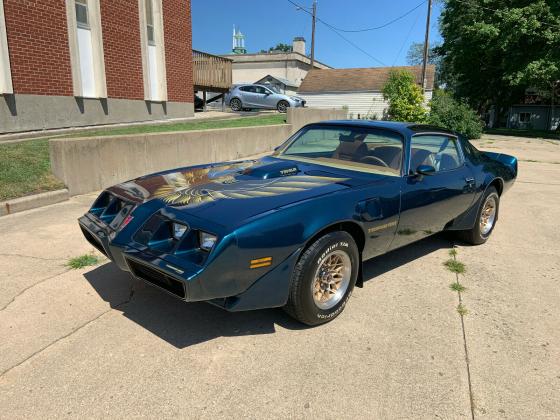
column 94, row 343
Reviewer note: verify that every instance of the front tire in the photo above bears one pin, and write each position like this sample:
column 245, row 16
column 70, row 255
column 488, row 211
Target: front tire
column 282, row 106
column 487, row 217
column 323, row 279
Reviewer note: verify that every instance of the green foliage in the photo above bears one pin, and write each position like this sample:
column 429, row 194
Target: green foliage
column 454, row 115
column 455, row 266
column 82, row 261
column 493, row 50
column 279, row 47
column 462, row 310
column 405, row 97
column 457, row 287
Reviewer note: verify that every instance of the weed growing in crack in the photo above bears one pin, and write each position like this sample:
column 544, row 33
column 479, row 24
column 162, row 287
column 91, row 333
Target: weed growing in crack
column 455, row 266
column 457, row 287
column 452, row 252
column 82, row 261
column 462, row 310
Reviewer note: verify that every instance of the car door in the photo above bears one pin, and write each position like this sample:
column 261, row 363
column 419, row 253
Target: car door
column 249, row 96
column 430, row 201
column 263, row 98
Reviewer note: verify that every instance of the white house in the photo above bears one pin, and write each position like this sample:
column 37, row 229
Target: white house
column 357, row 89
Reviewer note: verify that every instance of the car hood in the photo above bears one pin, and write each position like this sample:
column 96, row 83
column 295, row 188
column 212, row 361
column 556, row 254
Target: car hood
column 230, row 192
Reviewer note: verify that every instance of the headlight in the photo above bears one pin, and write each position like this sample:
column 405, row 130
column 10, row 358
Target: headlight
column 179, row 230
column 207, row 241
column 293, row 98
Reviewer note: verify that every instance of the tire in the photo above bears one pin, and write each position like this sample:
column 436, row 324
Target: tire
column 283, row 106
column 235, row 104
column 479, row 234
column 305, row 302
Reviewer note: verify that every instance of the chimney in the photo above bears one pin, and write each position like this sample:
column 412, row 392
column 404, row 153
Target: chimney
column 298, row 45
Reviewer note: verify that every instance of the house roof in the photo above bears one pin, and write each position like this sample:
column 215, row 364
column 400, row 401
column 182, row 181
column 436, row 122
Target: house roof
column 285, row 82
column 359, row 79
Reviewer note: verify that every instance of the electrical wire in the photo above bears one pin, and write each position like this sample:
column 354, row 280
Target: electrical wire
column 406, row 39
column 332, row 28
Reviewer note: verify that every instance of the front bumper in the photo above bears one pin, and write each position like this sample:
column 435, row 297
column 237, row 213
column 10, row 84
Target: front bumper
column 233, row 290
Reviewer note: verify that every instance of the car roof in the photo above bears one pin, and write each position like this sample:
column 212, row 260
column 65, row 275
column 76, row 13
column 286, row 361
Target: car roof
column 404, row 128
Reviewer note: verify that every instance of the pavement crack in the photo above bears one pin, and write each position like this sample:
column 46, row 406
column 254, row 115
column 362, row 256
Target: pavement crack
column 465, row 346
column 31, row 256
column 75, row 330
column 31, row 287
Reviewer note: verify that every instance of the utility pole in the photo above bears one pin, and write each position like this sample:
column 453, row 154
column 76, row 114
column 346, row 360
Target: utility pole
column 314, row 18
column 426, row 46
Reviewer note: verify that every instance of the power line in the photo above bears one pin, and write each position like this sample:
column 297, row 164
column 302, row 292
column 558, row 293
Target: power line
column 406, row 39
column 332, row 28
column 375, row 28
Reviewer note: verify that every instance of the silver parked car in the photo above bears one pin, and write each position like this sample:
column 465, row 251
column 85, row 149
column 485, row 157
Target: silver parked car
column 260, row 96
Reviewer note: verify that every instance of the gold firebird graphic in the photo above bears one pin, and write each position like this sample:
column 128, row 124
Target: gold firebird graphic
column 201, row 185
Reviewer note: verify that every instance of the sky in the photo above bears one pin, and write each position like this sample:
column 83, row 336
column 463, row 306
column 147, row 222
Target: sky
column 267, row 23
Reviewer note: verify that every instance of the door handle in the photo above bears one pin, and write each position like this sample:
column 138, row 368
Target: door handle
column 469, row 180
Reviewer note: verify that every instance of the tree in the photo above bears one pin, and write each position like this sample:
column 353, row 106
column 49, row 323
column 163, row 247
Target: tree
column 415, row 57
column 405, row 97
column 279, row 47
column 454, row 115
column 492, row 51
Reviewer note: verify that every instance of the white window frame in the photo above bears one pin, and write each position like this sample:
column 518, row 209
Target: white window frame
column 157, row 7
column 94, row 18
column 6, row 87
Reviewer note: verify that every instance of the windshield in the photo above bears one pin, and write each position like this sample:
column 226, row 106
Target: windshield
column 273, row 88
column 359, row 148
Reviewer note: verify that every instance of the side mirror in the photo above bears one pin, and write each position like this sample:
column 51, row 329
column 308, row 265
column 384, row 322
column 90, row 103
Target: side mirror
column 425, row 170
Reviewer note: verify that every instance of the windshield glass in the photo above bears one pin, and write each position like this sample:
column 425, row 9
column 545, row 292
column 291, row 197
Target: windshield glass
column 273, row 88
column 359, row 148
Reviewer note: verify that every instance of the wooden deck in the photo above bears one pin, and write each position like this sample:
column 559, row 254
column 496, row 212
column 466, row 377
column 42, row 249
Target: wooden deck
column 210, row 72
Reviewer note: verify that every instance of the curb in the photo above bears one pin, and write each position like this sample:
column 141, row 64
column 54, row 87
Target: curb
column 32, row 201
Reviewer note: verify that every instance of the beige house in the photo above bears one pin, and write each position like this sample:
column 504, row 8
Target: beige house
column 357, row 89
column 289, row 68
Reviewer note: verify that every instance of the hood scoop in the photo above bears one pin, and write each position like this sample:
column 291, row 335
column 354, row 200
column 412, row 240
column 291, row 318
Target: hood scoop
column 272, row 170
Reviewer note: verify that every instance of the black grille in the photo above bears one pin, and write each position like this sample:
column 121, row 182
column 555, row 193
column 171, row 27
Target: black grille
column 157, row 278
column 93, row 240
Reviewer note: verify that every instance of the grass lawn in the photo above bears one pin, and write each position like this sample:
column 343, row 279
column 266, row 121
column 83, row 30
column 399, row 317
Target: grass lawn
column 25, row 167
column 188, row 125
column 524, row 133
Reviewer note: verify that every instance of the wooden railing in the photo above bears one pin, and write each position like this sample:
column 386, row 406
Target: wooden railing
column 211, row 72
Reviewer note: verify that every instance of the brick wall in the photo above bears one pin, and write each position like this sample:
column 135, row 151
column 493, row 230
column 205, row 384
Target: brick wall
column 178, row 49
column 121, row 47
column 38, row 46
column 40, row 58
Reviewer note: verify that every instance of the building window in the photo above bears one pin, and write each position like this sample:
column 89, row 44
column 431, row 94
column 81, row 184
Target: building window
column 5, row 70
column 524, row 117
column 82, row 17
column 153, row 52
column 86, row 48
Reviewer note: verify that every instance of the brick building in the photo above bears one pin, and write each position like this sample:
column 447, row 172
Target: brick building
column 67, row 63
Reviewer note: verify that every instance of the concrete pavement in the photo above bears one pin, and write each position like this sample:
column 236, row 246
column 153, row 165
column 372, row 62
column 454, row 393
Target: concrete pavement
column 94, row 343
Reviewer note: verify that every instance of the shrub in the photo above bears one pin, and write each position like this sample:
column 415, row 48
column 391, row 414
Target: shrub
column 405, row 98
column 449, row 113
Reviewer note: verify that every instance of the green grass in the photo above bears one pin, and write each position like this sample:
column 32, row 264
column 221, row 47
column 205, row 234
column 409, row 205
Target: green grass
column 273, row 119
column 25, row 169
column 455, row 266
column 555, row 135
column 25, row 166
column 457, row 287
column 462, row 310
column 82, row 261
column 453, row 252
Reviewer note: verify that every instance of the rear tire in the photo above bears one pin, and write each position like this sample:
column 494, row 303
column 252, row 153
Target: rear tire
column 235, row 105
column 486, row 219
column 282, row 106
column 323, row 279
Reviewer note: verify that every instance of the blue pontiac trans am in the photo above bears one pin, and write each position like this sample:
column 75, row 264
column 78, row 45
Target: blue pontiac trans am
column 292, row 229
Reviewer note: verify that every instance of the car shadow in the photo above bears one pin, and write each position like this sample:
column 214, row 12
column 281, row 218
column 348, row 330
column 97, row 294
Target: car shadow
column 185, row 324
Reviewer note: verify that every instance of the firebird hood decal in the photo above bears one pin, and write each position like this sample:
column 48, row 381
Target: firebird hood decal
column 183, row 190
